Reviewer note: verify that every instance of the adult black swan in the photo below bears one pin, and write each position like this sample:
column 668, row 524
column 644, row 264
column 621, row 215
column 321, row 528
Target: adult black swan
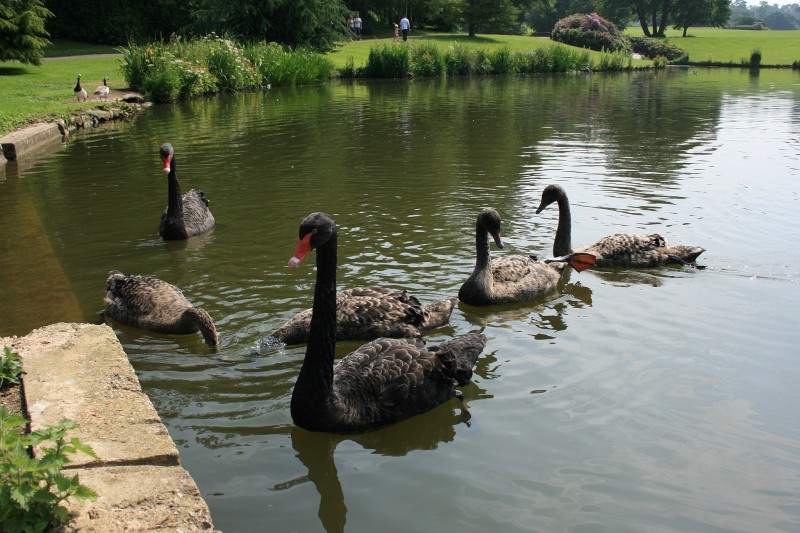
column 512, row 278
column 187, row 215
column 150, row 303
column 382, row 382
column 621, row 249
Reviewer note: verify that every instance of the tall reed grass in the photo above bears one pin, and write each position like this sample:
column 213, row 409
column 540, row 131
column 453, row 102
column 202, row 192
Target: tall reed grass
column 400, row 60
column 179, row 69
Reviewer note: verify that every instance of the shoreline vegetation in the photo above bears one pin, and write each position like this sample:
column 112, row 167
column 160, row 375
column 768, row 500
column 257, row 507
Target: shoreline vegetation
column 180, row 69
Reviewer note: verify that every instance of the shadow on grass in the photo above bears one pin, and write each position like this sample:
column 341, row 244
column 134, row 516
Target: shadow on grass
column 12, row 71
column 459, row 39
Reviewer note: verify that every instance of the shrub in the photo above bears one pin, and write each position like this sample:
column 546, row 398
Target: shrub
column 460, row 60
column 589, row 31
column 755, row 57
column 501, row 61
column 650, row 47
column 427, row 61
column 619, row 60
column 32, row 490
column 660, row 62
column 10, row 367
column 388, row 61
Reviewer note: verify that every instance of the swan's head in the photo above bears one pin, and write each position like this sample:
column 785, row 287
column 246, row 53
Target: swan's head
column 315, row 230
column 550, row 194
column 167, row 153
column 489, row 220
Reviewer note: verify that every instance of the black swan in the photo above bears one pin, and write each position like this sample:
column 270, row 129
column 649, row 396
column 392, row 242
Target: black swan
column 80, row 92
column 366, row 313
column 103, row 90
column 514, row 278
column 621, row 249
column 149, row 303
column 185, row 216
column 383, row 381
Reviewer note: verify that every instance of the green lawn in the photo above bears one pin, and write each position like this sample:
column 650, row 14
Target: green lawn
column 726, row 46
column 359, row 50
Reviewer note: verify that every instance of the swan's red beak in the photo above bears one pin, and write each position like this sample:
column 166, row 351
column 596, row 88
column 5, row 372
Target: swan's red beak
column 165, row 160
column 303, row 247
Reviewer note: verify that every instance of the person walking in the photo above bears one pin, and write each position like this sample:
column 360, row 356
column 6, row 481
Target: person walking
column 357, row 26
column 405, row 26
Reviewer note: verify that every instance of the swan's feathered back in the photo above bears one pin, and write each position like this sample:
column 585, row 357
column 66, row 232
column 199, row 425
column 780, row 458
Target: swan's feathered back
column 366, row 313
column 150, row 303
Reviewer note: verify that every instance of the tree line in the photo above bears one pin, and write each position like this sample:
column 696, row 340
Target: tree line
column 26, row 25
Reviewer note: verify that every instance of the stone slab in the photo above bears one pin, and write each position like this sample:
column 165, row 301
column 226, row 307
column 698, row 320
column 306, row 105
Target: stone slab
column 139, row 498
column 18, row 143
column 81, row 372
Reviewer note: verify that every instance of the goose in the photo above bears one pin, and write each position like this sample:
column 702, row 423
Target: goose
column 366, row 313
column 382, row 382
column 185, row 216
column 621, row 249
column 514, row 278
column 149, row 303
column 103, row 90
column 79, row 91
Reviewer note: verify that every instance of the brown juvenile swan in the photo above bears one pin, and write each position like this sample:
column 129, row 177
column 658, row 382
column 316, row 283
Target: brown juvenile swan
column 366, row 313
column 149, row 303
column 621, row 249
column 383, row 381
column 185, row 216
column 514, row 278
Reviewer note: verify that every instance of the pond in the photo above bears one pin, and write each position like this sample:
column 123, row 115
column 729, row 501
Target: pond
column 628, row 400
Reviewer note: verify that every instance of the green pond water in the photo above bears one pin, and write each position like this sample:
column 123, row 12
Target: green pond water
column 628, row 400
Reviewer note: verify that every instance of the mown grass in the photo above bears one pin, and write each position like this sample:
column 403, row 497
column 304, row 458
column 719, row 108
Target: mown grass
column 358, row 52
column 721, row 46
column 36, row 93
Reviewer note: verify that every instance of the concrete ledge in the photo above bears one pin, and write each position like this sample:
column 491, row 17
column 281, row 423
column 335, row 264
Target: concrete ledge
column 18, row 143
column 81, row 372
column 149, row 498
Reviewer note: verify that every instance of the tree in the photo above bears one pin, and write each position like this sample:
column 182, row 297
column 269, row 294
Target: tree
column 654, row 15
column 22, row 34
column 318, row 24
column 713, row 13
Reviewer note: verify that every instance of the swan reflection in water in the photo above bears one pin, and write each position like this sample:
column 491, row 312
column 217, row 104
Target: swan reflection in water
column 422, row 432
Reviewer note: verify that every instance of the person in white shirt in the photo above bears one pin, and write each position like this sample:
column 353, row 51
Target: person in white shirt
column 357, row 26
column 405, row 25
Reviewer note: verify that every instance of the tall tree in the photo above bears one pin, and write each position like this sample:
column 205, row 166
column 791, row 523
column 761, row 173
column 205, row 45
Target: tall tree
column 713, row 13
column 318, row 24
column 654, row 15
column 22, row 34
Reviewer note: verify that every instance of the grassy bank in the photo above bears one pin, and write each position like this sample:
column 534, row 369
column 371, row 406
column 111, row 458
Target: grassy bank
column 720, row 46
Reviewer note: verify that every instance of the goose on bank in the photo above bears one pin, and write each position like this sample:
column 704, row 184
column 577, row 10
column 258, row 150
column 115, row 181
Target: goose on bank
column 102, row 91
column 511, row 278
column 621, row 249
column 79, row 92
column 187, row 215
column 382, row 382
column 149, row 303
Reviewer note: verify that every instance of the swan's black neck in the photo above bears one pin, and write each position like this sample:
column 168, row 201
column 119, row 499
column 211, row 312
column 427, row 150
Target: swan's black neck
column 312, row 399
column 477, row 289
column 175, row 227
column 562, row 245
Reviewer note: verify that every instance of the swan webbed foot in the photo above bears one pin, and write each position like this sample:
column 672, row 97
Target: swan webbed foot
column 672, row 258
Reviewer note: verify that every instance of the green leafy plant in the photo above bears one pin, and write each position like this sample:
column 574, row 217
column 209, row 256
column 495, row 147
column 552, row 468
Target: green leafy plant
column 33, row 489
column 10, row 367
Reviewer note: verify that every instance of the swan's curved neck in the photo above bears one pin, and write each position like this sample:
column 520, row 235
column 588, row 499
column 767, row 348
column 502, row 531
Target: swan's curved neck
column 175, row 201
column 312, row 399
column 562, row 245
